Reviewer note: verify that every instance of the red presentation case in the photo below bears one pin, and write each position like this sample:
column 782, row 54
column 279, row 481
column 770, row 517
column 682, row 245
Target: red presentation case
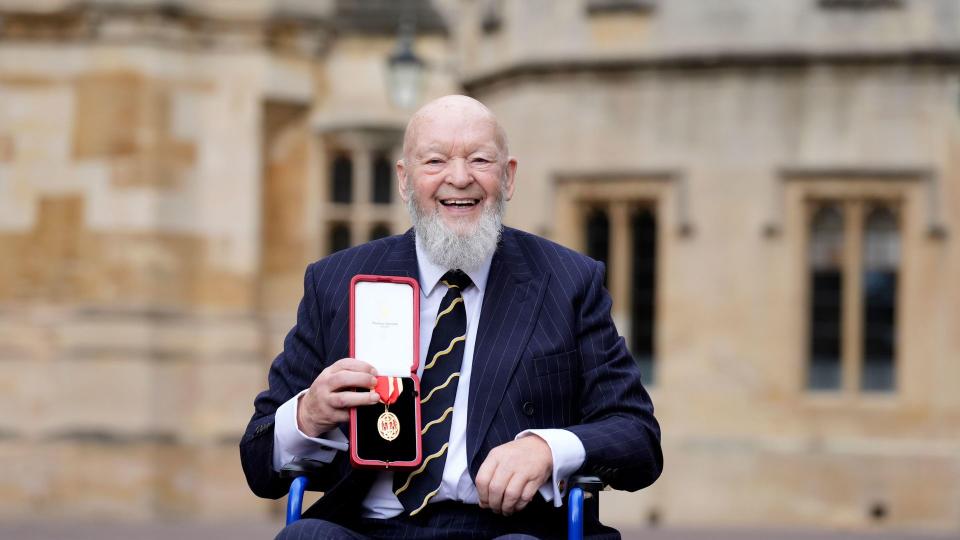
column 368, row 448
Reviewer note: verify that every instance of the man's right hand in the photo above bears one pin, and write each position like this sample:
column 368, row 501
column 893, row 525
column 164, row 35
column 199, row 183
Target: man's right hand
column 332, row 395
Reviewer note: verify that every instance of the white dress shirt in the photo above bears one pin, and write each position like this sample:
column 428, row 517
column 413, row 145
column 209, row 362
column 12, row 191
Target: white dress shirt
column 457, row 485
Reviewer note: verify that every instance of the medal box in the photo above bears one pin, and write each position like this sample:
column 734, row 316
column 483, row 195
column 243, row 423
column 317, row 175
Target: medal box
column 385, row 332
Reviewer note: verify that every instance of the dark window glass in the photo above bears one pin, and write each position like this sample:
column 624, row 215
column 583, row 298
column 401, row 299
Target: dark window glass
column 599, row 7
column 378, row 231
column 598, row 237
column 881, row 258
column 492, row 18
column 339, row 237
column 644, row 280
column 382, row 179
column 341, row 188
column 826, row 298
column 860, row 5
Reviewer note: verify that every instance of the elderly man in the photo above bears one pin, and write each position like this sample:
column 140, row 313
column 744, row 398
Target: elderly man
column 541, row 385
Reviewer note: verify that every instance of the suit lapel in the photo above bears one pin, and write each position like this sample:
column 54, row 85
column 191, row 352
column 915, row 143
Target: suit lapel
column 508, row 315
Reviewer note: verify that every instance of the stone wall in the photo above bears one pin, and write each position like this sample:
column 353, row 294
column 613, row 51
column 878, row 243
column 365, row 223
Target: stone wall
column 130, row 218
column 728, row 118
column 160, row 170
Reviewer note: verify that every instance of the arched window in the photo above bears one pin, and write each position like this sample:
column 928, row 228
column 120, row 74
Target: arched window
column 339, row 237
column 598, row 236
column 826, row 298
column 644, row 284
column 341, row 185
column 881, row 261
column 620, row 228
column 382, row 179
column 380, row 230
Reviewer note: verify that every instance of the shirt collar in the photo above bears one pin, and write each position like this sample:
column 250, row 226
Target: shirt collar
column 430, row 273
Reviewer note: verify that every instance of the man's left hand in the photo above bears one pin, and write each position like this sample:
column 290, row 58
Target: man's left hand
column 512, row 473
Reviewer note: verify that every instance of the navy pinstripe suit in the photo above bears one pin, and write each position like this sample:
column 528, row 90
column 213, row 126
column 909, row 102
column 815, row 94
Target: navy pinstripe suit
column 547, row 355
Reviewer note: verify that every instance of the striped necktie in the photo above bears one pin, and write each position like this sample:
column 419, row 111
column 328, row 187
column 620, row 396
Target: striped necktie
column 438, row 388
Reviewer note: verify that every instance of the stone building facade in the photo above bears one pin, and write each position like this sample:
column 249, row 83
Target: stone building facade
column 161, row 172
column 775, row 186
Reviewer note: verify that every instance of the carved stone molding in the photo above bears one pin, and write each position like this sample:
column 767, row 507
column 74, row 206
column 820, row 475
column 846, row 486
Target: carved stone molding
column 169, row 25
column 676, row 180
column 928, row 177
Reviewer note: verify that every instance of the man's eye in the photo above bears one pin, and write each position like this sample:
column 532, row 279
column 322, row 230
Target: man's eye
column 481, row 160
column 434, row 161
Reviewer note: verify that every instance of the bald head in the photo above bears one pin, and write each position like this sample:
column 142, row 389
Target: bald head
column 452, row 109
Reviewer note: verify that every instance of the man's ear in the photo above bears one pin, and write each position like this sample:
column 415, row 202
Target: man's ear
column 402, row 180
column 510, row 173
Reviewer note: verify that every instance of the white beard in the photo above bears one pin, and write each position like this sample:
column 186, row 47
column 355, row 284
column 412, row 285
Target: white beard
column 464, row 246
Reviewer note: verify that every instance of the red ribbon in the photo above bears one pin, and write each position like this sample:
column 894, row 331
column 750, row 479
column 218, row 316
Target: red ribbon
column 389, row 389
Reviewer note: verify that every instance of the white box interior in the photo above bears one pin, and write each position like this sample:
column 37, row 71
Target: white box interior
column 383, row 326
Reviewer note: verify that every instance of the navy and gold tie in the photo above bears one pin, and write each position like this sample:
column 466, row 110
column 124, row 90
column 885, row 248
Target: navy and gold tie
column 438, row 388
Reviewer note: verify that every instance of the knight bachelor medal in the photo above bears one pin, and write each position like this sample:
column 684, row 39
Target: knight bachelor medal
column 389, row 389
column 388, row 425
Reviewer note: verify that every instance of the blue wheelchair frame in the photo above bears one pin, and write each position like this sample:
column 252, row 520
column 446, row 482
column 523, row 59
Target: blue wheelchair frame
column 582, row 498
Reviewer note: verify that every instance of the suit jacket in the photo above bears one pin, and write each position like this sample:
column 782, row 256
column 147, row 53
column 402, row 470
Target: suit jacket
column 547, row 355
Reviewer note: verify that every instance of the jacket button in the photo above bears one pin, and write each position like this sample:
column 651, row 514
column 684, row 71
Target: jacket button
column 528, row 408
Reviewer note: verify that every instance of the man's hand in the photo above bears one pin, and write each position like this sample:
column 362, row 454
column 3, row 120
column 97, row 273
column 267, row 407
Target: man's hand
column 512, row 473
column 332, row 394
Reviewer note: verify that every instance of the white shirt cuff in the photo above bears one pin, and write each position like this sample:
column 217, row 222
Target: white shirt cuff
column 289, row 442
column 568, row 455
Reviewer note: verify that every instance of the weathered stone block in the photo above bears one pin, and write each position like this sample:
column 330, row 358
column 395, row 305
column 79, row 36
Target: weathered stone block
column 90, row 481
column 126, row 117
column 25, row 484
column 223, row 401
column 24, row 391
column 7, row 148
column 110, row 395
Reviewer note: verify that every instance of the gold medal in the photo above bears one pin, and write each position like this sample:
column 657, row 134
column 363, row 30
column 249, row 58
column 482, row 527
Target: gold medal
column 388, row 425
column 389, row 388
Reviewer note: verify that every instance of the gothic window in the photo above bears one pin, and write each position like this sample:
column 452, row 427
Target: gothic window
column 631, row 264
column 492, row 18
column 358, row 187
column 382, row 179
column 860, row 5
column 854, row 260
column 598, row 236
column 826, row 298
column 339, row 237
column 642, row 310
column 595, row 7
column 380, row 230
column 341, row 185
column 881, row 259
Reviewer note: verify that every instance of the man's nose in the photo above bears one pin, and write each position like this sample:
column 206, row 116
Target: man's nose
column 459, row 174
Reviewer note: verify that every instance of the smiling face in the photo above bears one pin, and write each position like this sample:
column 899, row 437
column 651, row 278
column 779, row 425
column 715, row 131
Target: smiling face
column 455, row 164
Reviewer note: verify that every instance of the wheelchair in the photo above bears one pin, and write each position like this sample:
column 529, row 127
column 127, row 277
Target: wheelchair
column 583, row 497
